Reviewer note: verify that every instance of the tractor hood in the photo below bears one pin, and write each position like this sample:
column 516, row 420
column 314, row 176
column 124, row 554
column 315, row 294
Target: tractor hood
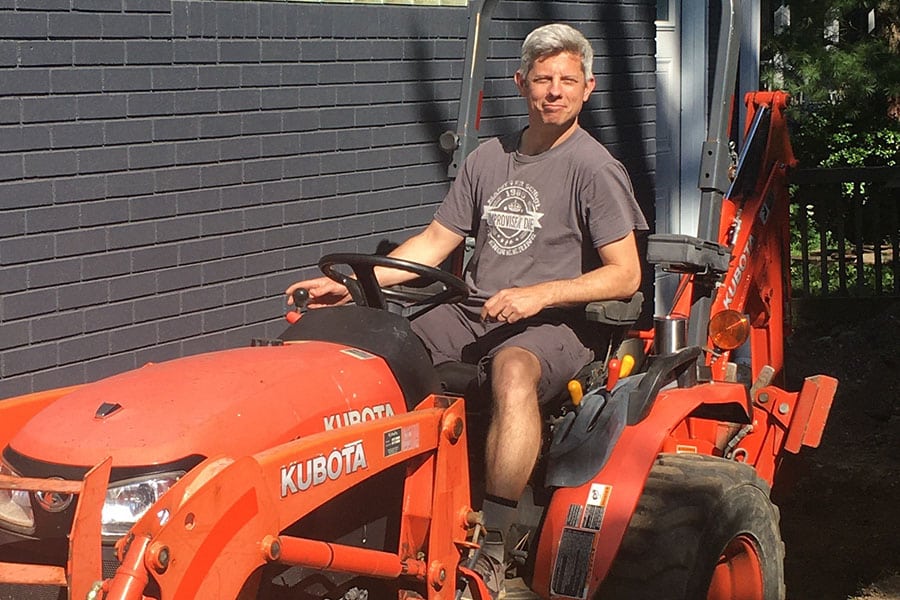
column 233, row 402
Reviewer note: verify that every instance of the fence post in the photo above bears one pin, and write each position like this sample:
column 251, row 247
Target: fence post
column 858, row 222
column 858, row 219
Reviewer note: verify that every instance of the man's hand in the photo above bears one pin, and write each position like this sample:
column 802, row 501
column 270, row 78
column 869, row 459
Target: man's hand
column 322, row 292
column 619, row 277
column 513, row 304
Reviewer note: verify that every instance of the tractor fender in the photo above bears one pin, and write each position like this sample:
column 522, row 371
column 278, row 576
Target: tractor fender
column 663, row 370
column 572, row 557
column 583, row 440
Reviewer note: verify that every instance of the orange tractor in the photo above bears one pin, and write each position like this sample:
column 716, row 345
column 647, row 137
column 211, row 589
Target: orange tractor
column 333, row 462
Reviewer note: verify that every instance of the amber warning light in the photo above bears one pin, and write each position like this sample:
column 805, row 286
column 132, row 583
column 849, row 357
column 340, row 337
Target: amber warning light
column 729, row 329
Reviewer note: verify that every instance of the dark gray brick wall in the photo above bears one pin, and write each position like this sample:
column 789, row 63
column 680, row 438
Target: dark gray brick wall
column 168, row 167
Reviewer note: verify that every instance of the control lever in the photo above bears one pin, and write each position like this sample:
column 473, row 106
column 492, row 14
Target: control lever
column 612, row 373
column 300, row 296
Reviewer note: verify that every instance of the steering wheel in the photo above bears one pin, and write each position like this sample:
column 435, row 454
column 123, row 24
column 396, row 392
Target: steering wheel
column 366, row 291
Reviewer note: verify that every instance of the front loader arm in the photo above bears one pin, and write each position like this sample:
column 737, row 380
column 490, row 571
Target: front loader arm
column 82, row 570
column 219, row 524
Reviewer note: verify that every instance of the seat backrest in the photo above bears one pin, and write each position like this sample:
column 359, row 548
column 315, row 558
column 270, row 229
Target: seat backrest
column 617, row 313
column 611, row 320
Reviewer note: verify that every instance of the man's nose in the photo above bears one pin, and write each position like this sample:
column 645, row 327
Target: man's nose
column 555, row 88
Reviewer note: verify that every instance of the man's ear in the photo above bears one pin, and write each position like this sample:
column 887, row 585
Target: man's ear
column 520, row 82
column 590, row 84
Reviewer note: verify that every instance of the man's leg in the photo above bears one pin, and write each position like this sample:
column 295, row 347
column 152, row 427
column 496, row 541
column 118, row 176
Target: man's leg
column 514, row 436
column 445, row 331
column 513, row 442
column 533, row 365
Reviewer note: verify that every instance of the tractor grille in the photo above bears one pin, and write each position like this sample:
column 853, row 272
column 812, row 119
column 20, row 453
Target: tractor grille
column 110, row 562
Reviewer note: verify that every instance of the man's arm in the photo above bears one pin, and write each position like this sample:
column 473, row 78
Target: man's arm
column 430, row 247
column 618, row 278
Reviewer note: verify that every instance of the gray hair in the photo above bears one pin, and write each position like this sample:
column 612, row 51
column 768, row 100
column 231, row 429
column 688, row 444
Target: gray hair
column 553, row 39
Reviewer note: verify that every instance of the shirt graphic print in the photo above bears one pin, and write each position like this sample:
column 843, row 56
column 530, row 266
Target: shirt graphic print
column 512, row 215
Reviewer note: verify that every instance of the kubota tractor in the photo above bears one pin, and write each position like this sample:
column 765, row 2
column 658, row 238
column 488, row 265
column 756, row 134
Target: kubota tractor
column 333, row 462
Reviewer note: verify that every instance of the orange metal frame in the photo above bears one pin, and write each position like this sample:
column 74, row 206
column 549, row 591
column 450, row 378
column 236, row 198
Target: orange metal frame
column 772, row 420
column 209, row 533
column 83, row 569
column 757, row 279
column 785, row 420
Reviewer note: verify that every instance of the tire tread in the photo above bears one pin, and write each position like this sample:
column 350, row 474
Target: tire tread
column 659, row 554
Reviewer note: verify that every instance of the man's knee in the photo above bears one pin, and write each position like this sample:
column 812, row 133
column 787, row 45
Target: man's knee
column 514, row 367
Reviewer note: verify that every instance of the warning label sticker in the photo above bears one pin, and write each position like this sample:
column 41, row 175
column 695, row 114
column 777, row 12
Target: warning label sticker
column 595, row 506
column 599, row 494
column 574, row 515
column 573, row 562
column 400, row 439
column 392, row 442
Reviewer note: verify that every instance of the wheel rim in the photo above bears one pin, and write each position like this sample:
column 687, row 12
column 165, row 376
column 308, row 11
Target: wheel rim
column 738, row 574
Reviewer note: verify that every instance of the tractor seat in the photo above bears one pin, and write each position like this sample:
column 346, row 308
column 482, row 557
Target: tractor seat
column 457, row 377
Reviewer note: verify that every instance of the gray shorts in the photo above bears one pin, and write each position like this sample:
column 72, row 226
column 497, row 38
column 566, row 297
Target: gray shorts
column 456, row 333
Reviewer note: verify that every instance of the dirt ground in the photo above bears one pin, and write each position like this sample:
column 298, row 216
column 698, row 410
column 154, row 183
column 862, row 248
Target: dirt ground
column 840, row 503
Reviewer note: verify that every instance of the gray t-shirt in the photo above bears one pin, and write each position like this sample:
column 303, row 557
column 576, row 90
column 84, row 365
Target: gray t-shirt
column 538, row 218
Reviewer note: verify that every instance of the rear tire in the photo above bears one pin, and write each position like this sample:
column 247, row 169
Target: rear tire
column 704, row 529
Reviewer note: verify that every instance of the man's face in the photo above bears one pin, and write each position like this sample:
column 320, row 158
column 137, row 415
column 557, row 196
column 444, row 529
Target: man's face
column 555, row 89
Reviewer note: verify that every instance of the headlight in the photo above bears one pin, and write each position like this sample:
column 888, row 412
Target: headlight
column 15, row 507
column 128, row 501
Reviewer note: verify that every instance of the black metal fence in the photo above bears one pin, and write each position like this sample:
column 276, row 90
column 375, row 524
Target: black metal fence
column 845, row 232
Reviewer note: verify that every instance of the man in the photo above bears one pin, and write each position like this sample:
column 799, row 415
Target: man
column 553, row 215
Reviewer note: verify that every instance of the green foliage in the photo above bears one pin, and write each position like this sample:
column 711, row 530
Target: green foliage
column 863, row 148
column 827, row 226
column 842, row 88
column 830, row 283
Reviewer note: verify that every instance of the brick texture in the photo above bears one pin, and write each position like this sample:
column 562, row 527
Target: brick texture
column 168, row 167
